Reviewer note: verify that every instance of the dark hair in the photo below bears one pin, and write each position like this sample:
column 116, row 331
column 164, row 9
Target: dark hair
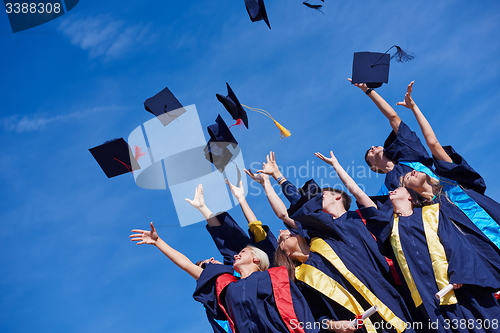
column 282, row 259
column 366, row 158
column 346, row 199
column 377, row 170
column 199, row 263
column 418, row 200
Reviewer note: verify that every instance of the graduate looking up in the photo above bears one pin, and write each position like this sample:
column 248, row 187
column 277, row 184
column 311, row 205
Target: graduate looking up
column 261, row 300
column 335, row 260
column 432, row 254
column 401, row 145
column 454, row 184
column 227, row 235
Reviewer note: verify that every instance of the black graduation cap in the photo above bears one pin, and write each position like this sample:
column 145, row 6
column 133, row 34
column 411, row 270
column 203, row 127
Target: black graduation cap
column 233, row 106
column 218, row 154
column 372, row 68
column 114, row 157
column 165, row 106
column 219, row 132
column 257, row 11
column 216, row 150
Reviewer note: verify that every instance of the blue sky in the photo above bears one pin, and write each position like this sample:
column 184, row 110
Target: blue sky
column 75, row 82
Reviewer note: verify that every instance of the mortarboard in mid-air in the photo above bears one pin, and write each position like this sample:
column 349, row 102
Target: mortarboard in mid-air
column 115, row 157
column 165, row 106
column 257, row 11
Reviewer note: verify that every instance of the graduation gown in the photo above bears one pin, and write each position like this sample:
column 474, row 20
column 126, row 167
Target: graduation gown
column 474, row 186
column 230, row 239
column 425, row 273
column 359, row 266
column 403, row 146
column 262, row 302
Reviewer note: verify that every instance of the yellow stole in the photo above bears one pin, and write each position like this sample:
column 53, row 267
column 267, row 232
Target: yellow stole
column 430, row 219
column 345, row 299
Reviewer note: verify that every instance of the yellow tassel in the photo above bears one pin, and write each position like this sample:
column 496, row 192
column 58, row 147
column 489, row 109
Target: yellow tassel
column 284, row 133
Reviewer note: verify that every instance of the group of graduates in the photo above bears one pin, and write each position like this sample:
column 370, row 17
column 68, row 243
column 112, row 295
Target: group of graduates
column 431, row 229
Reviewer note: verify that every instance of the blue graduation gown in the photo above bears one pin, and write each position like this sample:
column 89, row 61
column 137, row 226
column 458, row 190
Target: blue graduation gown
column 250, row 302
column 230, row 239
column 479, row 276
column 404, row 146
column 349, row 238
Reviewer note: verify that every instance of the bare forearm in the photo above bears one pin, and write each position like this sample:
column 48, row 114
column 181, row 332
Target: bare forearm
column 386, row 110
column 430, row 137
column 247, row 211
column 212, row 221
column 277, row 205
column 352, row 186
column 179, row 259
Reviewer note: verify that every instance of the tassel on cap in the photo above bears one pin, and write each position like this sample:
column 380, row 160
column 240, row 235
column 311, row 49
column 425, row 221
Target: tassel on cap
column 402, row 56
column 284, row 133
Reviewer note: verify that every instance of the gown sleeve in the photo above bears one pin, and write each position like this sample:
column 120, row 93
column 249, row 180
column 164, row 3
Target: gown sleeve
column 205, row 291
column 406, row 146
column 460, row 171
column 229, row 238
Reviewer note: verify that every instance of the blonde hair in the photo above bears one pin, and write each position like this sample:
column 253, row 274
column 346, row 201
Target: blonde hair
column 262, row 256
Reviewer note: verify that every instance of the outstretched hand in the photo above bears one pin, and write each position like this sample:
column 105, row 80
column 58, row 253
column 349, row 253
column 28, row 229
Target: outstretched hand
column 330, row 160
column 259, row 178
column 237, row 191
column 361, row 86
column 408, row 102
column 145, row 236
column 270, row 167
column 198, row 201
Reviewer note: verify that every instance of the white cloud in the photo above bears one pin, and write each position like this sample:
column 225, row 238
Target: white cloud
column 103, row 36
column 29, row 123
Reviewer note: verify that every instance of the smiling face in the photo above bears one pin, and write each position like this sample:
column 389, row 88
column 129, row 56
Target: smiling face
column 244, row 258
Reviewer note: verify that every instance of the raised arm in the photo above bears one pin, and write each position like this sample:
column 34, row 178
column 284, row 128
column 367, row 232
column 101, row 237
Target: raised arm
column 276, row 203
column 382, row 105
column 198, row 202
column 430, row 137
column 348, row 182
column 152, row 238
column 239, row 193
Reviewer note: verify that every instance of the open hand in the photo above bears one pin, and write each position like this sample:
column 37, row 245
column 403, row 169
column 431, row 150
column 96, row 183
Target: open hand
column 330, row 160
column 198, row 201
column 259, row 178
column 361, row 86
column 145, row 236
column 270, row 167
column 408, row 102
column 237, row 191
